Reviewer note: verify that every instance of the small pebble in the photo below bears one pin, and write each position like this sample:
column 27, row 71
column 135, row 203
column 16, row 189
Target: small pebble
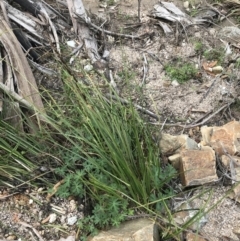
column 11, row 237
column 88, row 67
column 72, row 220
column 71, row 43
column 52, row 217
column 62, row 220
column 175, row 83
column 72, row 205
column 186, row 4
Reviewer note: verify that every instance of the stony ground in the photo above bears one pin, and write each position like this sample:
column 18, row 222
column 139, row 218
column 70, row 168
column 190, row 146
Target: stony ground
column 30, row 216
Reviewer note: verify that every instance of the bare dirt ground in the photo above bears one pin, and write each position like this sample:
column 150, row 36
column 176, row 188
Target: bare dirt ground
column 139, row 67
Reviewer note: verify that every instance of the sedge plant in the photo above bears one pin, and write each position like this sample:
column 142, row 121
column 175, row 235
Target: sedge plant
column 104, row 152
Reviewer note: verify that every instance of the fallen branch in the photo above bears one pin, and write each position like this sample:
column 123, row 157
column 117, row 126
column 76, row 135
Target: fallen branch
column 21, row 101
column 26, row 225
column 198, row 124
column 89, row 23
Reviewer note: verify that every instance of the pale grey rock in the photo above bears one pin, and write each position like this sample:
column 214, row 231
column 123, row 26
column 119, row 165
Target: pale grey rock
column 170, row 144
column 72, row 220
column 52, row 217
column 88, row 67
column 230, row 33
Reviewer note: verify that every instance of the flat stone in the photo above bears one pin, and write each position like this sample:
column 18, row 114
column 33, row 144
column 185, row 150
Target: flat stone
column 206, row 135
column 198, row 166
column 226, row 161
column 170, row 144
column 223, row 139
column 175, row 160
column 135, row 230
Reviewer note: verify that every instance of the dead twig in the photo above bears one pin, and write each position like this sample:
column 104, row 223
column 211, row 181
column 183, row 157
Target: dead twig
column 33, row 229
column 139, row 10
column 148, row 112
column 201, row 118
column 3, row 197
column 145, row 69
column 112, row 82
column 198, row 124
column 208, row 91
column 89, row 22
column 21, row 100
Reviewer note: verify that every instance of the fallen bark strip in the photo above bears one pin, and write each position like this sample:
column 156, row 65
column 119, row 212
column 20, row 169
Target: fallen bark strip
column 76, row 8
column 42, row 15
column 23, row 76
column 22, row 101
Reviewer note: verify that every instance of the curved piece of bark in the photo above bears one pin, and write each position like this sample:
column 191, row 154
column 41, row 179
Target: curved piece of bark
column 30, row 6
column 31, row 24
column 23, row 76
column 76, row 8
column 22, row 38
column 38, row 7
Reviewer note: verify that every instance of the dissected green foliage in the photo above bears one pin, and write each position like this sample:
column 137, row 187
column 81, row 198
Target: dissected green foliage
column 104, row 152
column 118, row 161
column 216, row 54
column 199, row 47
column 180, row 70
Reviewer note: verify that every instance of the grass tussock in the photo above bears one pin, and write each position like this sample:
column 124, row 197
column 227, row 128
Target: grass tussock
column 102, row 149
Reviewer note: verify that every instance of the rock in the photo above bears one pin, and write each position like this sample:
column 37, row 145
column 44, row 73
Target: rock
column 206, row 135
column 52, row 218
column 226, row 161
column 194, row 237
column 198, row 167
column 187, row 143
column 223, row 139
column 186, row 4
column 72, row 220
column 174, row 144
column 168, row 144
column 230, row 34
column 88, row 67
column 72, row 43
column 175, row 160
column 11, row 237
column 134, row 230
column 69, row 238
column 235, row 193
column 175, row 83
column 237, row 231
column 73, row 205
column 185, row 213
